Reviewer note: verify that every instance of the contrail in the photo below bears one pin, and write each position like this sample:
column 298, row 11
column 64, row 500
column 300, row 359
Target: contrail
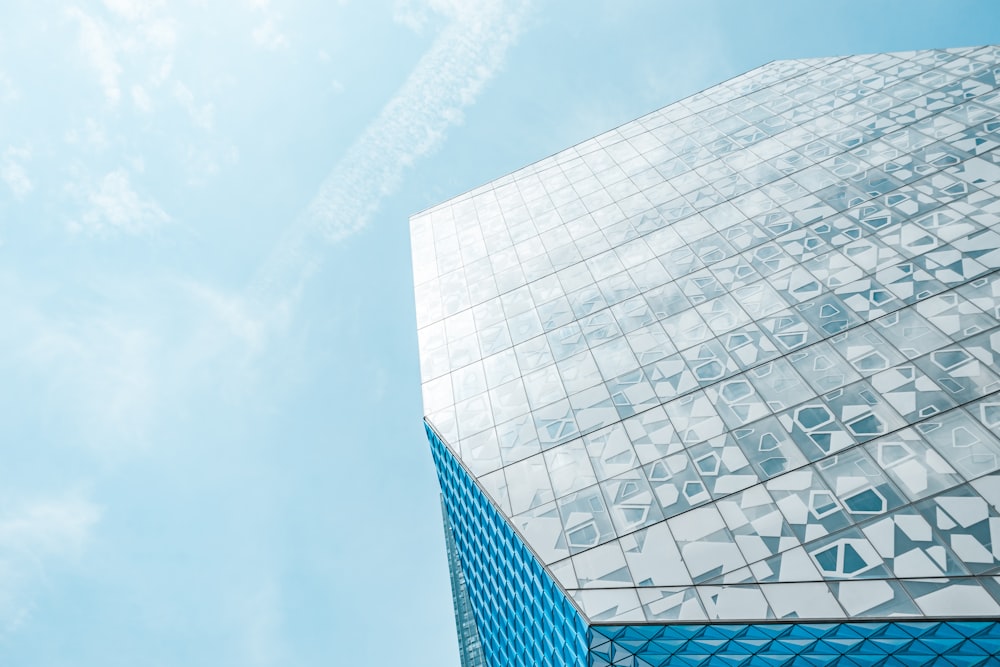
column 464, row 57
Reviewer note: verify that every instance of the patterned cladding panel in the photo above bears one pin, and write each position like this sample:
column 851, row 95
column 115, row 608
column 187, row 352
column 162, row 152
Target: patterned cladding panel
column 527, row 620
column 470, row 646
column 856, row 644
column 736, row 349
column 737, row 361
column 524, row 620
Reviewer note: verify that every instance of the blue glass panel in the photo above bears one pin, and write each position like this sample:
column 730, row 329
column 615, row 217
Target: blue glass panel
column 818, row 309
column 875, row 643
column 524, row 620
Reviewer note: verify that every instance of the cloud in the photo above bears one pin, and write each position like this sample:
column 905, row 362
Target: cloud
column 268, row 35
column 467, row 53
column 114, row 207
column 406, row 13
column 262, row 620
column 53, row 527
column 234, row 317
column 161, row 33
column 203, row 115
column 147, row 28
column 100, row 367
column 92, row 135
column 202, row 163
column 13, row 173
column 416, row 14
column 133, row 10
column 95, row 43
column 33, row 535
column 117, row 361
column 135, row 34
column 8, row 90
column 141, row 100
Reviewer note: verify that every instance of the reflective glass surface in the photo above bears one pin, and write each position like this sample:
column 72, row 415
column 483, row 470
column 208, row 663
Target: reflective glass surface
column 470, row 646
column 521, row 616
column 739, row 359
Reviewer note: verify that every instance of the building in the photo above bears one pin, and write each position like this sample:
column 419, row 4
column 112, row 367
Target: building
column 720, row 386
column 470, row 647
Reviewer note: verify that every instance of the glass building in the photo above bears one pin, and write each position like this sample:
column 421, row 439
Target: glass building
column 470, row 647
column 722, row 385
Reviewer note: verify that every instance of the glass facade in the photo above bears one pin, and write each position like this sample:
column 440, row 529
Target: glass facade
column 470, row 647
column 724, row 382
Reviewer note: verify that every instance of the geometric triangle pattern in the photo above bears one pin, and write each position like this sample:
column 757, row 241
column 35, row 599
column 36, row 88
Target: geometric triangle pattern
column 732, row 369
column 848, row 643
column 523, row 618
column 470, row 646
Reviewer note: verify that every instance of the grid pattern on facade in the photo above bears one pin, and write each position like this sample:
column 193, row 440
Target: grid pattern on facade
column 470, row 647
column 554, row 635
column 847, row 644
column 738, row 359
column 523, row 618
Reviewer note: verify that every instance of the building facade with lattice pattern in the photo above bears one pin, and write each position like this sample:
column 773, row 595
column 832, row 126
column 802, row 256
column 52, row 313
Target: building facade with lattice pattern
column 723, row 383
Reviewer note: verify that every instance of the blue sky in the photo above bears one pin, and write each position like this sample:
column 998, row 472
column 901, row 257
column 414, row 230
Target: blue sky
column 210, row 409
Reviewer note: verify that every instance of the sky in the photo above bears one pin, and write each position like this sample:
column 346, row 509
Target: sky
column 211, row 450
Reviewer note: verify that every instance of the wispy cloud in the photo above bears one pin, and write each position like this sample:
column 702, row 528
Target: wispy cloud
column 116, row 363
column 232, row 315
column 417, row 14
column 100, row 365
column 466, row 54
column 413, row 15
column 8, row 89
column 60, row 526
column 114, row 207
column 133, row 10
column 268, row 34
column 201, row 163
column 98, row 49
column 132, row 40
column 202, row 115
column 262, row 620
column 33, row 534
column 13, row 173
column 91, row 134
column 141, row 99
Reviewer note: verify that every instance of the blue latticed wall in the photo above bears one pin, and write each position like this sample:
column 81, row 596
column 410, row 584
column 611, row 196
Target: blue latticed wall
column 905, row 643
column 721, row 386
column 524, row 619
